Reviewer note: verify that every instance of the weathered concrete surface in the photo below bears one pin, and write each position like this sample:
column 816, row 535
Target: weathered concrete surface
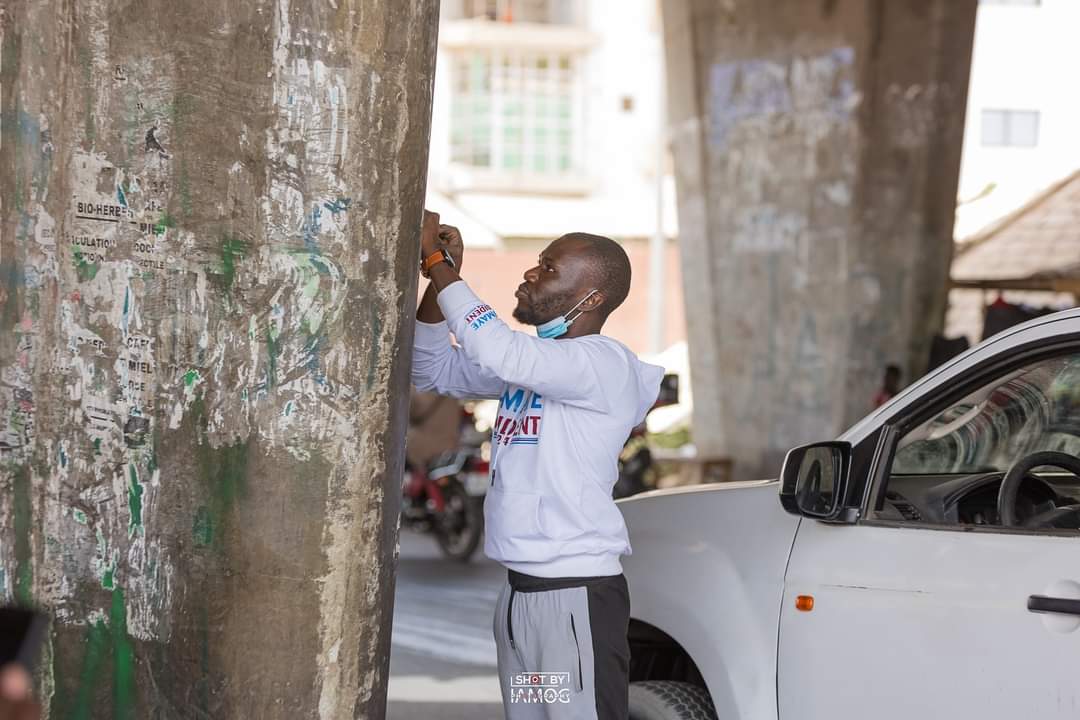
column 817, row 149
column 209, row 213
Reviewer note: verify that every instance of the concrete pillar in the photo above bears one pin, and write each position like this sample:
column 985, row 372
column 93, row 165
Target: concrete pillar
column 817, row 149
column 208, row 259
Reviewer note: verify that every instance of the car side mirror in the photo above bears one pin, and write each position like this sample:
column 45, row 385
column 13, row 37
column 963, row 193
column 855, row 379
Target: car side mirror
column 813, row 481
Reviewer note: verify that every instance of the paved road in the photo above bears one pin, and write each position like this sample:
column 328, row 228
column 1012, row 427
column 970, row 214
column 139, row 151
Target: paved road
column 442, row 664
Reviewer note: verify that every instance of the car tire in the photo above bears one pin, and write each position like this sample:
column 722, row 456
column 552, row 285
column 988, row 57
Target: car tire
column 669, row 700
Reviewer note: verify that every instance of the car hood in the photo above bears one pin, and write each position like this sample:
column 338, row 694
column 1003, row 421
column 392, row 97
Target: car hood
column 745, row 485
column 707, row 568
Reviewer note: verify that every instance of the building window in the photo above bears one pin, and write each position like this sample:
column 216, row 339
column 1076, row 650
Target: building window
column 1010, row 128
column 514, row 112
column 549, row 12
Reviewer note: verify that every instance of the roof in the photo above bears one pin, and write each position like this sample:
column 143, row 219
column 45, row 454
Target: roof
column 1040, row 240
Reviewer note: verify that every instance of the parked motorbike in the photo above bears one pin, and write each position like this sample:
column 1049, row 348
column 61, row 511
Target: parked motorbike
column 637, row 470
column 447, row 498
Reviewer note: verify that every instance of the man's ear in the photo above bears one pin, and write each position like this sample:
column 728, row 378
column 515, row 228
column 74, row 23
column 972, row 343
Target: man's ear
column 596, row 300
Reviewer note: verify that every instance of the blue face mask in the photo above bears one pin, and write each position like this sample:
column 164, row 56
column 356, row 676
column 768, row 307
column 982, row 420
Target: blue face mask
column 558, row 326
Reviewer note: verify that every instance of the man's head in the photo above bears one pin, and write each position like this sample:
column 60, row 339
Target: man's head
column 568, row 270
column 892, row 378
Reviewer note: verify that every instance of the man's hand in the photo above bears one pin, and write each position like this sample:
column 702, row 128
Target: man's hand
column 452, row 243
column 441, row 273
column 429, row 234
column 434, row 236
column 15, row 700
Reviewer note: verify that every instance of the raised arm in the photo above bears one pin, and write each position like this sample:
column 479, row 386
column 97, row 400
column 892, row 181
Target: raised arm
column 437, row 365
column 567, row 371
column 440, row 367
column 563, row 371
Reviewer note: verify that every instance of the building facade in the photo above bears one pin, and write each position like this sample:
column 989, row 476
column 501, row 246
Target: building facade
column 547, row 120
column 1017, row 195
column 1022, row 112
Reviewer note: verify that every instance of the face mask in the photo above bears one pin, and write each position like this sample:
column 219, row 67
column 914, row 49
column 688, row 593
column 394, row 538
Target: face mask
column 557, row 327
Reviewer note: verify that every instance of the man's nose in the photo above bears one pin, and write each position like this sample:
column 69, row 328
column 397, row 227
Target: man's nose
column 532, row 274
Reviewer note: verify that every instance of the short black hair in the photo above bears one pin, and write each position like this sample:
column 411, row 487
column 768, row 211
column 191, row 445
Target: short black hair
column 609, row 266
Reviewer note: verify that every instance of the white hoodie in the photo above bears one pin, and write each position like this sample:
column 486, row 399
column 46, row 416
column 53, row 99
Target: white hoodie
column 567, row 406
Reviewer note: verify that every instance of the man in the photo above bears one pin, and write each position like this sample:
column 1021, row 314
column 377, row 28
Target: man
column 890, row 386
column 434, row 428
column 569, row 399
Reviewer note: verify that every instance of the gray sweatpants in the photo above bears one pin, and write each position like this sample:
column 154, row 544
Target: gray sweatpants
column 562, row 647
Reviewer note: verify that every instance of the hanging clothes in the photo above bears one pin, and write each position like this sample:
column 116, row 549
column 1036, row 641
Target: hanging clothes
column 943, row 349
column 1001, row 315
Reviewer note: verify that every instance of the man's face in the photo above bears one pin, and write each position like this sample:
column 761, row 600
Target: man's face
column 559, row 280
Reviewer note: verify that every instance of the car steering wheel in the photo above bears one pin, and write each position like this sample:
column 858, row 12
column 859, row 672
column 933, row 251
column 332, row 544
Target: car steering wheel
column 1066, row 516
column 1010, row 487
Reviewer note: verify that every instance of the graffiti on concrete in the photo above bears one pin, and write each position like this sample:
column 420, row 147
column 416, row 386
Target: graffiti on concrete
column 148, row 317
column 202, row 301
column 749, row 95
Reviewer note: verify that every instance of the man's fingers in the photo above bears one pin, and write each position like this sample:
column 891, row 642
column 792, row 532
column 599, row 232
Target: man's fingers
column 430, row 226
column 449, row 233
column 14, row 682
column 450, row 240
column 429, row 233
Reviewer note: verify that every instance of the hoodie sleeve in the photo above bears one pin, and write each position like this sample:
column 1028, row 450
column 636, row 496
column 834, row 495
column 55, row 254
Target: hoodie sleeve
column 649, row 379
column 439, row 366
column 560, row 370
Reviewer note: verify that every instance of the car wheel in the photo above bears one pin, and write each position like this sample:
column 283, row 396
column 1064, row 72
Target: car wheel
column 668, row 700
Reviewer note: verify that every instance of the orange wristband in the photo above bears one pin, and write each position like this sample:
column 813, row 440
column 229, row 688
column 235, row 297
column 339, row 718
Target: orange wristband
column 434, row 259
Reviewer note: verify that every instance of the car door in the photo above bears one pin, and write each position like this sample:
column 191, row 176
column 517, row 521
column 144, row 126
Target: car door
column 923, row 611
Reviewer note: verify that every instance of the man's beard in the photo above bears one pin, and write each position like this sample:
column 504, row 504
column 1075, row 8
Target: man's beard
column 538, row 312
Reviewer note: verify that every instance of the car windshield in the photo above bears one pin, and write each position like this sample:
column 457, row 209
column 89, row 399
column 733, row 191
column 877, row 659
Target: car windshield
column 1034, row 409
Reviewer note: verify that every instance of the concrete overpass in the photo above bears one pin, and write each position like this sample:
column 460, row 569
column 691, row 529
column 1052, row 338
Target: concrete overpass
column 208, row 215
column 817, row 150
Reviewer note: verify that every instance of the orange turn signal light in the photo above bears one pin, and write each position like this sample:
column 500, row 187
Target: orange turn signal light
column 804, row 603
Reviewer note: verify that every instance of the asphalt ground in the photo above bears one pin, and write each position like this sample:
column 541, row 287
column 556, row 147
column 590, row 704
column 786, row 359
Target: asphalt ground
column 442, row 662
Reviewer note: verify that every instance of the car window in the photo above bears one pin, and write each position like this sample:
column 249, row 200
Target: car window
column 1037, row 408
column 949, row 468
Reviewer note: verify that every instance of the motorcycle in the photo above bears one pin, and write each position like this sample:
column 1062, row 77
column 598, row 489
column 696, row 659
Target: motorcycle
column 637, row 471
column 447, row 499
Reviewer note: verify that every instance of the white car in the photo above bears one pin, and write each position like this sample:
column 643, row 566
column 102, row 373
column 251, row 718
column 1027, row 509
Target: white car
column 924, row 565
